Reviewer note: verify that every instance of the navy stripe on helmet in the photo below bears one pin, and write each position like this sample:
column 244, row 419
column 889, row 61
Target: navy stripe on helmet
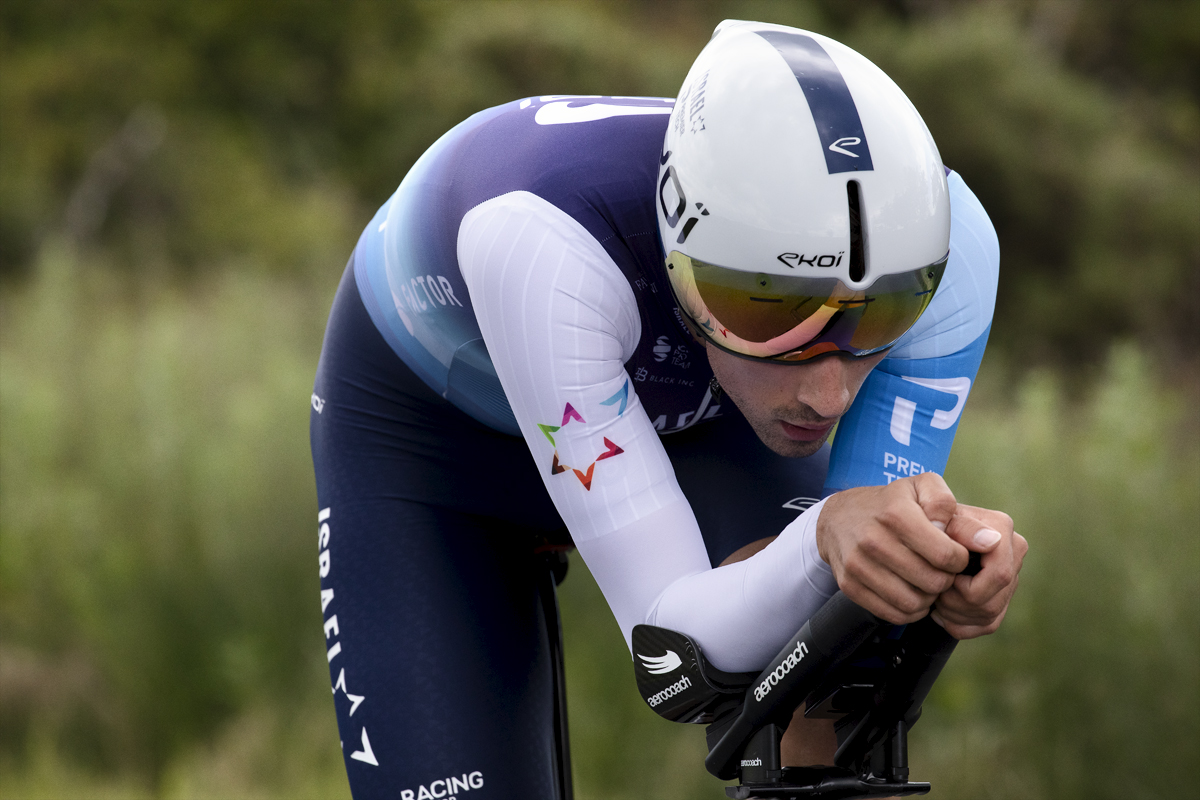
column 842, row 138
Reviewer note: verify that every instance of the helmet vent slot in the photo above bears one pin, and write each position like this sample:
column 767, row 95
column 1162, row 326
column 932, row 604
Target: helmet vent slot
column 858, row 240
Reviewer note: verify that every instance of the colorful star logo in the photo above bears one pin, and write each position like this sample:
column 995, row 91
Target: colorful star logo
column 610, row 448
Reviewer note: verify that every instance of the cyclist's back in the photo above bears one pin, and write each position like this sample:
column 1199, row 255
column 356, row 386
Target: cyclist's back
column 592, row 163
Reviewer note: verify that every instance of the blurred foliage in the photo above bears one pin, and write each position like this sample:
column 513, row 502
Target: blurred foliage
column 155, row 473
column 180, row 184
column 276, row 126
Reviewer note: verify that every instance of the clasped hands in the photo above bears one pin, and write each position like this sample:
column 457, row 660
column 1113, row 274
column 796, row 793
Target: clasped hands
column 897, row 551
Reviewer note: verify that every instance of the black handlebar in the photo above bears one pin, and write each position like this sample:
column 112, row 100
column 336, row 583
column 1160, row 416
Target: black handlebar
column 844, row 663
column 829, row 636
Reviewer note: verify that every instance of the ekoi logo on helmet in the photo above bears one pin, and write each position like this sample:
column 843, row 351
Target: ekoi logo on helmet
column 678, row 202
column 794, row 260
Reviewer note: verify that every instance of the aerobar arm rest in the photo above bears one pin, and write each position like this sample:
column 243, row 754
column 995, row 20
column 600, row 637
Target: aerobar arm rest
column 676, row 680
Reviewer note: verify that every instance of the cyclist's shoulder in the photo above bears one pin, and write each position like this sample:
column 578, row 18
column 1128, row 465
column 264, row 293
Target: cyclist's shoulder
column 576, row 164
column 593, row 149
column 960, row 315
column 967, row 213
column 594, row 159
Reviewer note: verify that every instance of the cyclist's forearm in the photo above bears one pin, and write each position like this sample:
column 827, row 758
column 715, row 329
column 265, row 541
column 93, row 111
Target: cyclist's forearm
column 741, row 614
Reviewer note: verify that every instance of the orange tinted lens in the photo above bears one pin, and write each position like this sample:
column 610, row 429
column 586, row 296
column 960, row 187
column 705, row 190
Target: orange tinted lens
column 786, row 318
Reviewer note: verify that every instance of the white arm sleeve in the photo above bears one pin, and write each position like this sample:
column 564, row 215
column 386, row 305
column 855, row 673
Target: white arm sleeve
column 560, row 320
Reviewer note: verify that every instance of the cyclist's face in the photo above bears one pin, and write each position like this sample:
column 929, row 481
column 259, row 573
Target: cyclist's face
column 792, row 407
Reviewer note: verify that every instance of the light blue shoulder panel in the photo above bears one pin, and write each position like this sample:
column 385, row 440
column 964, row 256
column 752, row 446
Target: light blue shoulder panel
column 905, row 416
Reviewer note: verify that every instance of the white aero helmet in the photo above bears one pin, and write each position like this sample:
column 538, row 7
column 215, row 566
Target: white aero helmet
column 802, row 203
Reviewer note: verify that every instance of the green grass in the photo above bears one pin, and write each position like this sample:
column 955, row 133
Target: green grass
column 157, row 572
column 160, row 630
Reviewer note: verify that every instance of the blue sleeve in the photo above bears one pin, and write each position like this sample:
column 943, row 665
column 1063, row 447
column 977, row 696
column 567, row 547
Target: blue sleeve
column 903, row 421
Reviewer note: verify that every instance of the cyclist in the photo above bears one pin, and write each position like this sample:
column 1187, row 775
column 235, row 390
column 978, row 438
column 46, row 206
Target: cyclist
column 630, row 324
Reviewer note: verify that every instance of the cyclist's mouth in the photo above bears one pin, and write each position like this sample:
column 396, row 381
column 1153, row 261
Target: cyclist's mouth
column 805, row 433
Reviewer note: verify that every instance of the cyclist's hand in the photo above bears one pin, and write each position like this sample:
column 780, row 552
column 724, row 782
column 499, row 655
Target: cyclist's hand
column 888, row 548
column 975, row 605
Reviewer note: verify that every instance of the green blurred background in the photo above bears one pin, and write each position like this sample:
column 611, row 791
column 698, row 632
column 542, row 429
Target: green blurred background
column 180, row 185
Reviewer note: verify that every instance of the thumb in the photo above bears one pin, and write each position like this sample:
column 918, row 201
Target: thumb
column 973, row 534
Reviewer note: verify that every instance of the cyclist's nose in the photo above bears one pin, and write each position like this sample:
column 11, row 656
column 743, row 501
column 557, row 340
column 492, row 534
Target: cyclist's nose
column 827, row 385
